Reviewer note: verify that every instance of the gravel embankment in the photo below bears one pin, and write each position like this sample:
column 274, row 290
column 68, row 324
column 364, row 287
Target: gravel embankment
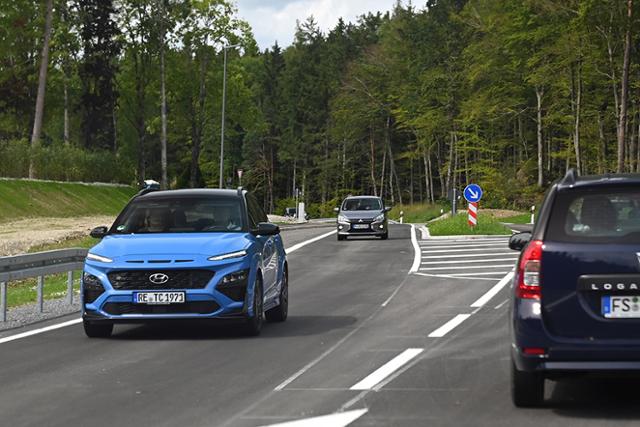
column 28, row 314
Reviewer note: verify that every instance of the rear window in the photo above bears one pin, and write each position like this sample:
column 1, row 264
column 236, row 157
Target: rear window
column 362, row 204
column 611, row 216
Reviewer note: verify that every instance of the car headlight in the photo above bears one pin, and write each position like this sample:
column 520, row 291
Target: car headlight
column 342, row 218
column 235, row 278
column 95, row 257
column 379, row 218
column 230, row 255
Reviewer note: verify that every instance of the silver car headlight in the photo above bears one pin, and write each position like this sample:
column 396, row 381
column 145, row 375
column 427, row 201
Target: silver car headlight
column 379, row 218
column 343, row 219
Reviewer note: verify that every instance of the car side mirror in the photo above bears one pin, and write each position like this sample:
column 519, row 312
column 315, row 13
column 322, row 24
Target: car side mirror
column 387, row 209
column 336, row 210
column 99, row 232
column 266, row 229
column 518, row 241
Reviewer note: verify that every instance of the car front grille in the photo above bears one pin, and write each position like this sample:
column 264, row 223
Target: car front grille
column 190, row 307
column 178, row 279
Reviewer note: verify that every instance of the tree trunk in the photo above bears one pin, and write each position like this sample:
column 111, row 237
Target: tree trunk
column 199, row 124
column 426, row 175
column 624, row 90
column 373, row 162
column 411, row 180
column 66, row 112
column 449, row 183
column 539, row 95
column 576, row 123
column 163, row 105
column 42, row 84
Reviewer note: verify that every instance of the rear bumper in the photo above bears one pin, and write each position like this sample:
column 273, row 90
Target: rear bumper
column 565, row 355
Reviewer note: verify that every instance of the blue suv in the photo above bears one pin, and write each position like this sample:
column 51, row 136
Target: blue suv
column 576, row 290
column 186, row 254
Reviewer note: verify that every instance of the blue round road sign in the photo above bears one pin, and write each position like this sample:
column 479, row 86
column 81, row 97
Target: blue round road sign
column 473, row 193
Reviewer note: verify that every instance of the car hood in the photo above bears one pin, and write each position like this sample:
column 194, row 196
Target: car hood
column 210, row 244
column 360, row 214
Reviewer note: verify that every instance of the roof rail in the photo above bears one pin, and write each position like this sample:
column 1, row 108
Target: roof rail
column 570, row 177
column 240, row 190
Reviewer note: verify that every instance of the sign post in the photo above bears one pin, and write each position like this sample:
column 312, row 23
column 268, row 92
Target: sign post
column 473, row 194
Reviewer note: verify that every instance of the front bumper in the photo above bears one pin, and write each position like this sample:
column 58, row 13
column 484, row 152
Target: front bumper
column 208, row 302
column 374, row 229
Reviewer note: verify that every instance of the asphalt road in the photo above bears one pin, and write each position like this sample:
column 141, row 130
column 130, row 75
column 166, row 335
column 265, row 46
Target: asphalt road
column 365, row 343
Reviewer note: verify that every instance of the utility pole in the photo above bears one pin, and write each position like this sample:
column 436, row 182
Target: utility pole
column 224, row 100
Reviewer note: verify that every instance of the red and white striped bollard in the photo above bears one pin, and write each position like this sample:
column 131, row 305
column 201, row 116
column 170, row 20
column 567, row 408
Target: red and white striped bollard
column 473, row 214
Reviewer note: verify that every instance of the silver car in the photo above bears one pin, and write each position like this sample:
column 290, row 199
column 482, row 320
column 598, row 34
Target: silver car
column 362, row 216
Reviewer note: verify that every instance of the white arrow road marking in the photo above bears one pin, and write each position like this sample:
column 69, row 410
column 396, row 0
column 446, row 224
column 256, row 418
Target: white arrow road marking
column 341, row 419
column 387, row 369
column 493, row 291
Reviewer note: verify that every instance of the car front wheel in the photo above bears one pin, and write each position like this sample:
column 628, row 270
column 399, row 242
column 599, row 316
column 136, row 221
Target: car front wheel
column 254, row 323
column 527, row 388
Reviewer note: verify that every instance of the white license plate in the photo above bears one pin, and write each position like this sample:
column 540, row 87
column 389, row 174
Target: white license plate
column 159, row 298
column 621, row 306
column 360, row 226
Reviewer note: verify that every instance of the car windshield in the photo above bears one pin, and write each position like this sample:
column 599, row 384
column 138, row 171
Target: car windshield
column 181, row 215
column 362, row 204
column 603, row 216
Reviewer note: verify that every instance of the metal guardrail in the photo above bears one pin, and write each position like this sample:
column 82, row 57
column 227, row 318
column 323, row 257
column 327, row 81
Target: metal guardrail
column 39, row 265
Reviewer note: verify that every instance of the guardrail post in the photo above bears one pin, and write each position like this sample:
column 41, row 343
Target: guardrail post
column 70, row 287
column 3, row 301
column 41, row 293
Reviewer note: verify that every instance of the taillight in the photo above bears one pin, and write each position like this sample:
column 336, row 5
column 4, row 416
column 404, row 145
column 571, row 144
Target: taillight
column 529, row 271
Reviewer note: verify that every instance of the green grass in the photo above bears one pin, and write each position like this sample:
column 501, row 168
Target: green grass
column 458, row 225
column 416, row 213
column 55, row 286
column 29, row 199
column 523, row 218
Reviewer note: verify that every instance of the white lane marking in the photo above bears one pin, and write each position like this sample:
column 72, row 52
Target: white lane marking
column 341, row 419
column 438, row 240
column 469, row 255
column 39, row 331
column 493, row 291
column 485, row 245
column 449, row 326
column 499, row 306
column 416, row 250
column 471, row 261
column 424, row 231
column 439, row 251
column 466, row 268
column 387, row 369
column 458, row 276
column 483, row 273
column 308, row 242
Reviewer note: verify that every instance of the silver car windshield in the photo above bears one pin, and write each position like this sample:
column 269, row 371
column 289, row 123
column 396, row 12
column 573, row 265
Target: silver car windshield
column 362, row 204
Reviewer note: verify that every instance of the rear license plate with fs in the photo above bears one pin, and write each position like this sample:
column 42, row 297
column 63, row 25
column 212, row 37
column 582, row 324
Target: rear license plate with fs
column 159, row 298
column 614, row 307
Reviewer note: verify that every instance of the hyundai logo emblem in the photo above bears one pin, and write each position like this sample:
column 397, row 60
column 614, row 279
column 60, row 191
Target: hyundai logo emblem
column 159, row 278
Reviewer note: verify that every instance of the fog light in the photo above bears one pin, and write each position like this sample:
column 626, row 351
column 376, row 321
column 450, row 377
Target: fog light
column 340, row 227
column 381, row 226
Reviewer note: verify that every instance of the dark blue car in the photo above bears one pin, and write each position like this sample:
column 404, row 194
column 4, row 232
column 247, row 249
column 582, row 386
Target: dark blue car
column 576, row 291
column 186, row 254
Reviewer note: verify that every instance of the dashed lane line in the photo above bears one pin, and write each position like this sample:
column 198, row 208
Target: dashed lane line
column 340, row 419
column 449, row 326
column 379, row 375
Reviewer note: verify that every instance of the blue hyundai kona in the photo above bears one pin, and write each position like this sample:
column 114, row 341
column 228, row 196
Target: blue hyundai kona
column 186, row 254
column 576, row 290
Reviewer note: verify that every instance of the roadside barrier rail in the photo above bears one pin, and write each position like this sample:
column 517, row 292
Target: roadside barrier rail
column 39, row 265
